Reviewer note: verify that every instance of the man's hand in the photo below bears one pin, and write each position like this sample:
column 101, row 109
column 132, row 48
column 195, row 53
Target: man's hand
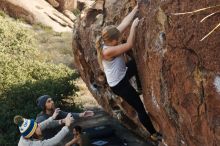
column 56, row 112
column 69, row 120
column 86, row 114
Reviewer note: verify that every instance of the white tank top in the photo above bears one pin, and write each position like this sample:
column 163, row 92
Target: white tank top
column 114, row 69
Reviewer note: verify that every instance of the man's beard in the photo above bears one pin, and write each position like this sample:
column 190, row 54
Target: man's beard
column 53, row 107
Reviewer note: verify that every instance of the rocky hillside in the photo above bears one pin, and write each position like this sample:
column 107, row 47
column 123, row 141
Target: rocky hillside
column 178, row 65
column 57, row 14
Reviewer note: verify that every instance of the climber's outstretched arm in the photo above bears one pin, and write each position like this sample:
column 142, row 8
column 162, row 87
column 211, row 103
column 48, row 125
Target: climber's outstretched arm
column 113, row 51
column 127, row 20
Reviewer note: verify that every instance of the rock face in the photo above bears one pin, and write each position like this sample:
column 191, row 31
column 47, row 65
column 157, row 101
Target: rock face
column 67, row 5
column 83, row 4
column 62, row 5
column 37, row 11
column 180, row 74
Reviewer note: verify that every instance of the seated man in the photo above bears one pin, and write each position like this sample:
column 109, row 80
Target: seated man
column 46, row 103
column 31, row 132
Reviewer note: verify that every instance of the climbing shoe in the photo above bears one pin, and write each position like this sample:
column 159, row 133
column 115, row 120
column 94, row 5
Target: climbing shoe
column 156, row 137
column 139, row 91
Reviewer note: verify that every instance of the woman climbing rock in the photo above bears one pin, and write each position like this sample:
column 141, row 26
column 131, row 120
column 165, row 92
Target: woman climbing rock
column 118, row 73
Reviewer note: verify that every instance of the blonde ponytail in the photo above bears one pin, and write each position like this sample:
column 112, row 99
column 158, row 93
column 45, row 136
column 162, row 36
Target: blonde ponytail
column 99, row 51
column 109, row 33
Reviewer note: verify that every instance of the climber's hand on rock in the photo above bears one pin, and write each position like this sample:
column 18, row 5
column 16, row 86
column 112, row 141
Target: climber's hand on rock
column 136, row 7
column 138, row 2
column 135, row 22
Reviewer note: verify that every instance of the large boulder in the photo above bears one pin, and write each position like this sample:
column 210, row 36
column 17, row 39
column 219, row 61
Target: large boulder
column 37, row 11
column 67, row 5
column 62, row 5
column 83, row 4
column 70, row 5
column 180, row 74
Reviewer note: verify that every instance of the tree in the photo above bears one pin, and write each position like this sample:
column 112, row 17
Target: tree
column 24, row 76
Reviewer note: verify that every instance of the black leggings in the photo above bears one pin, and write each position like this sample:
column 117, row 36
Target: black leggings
column 130, row 95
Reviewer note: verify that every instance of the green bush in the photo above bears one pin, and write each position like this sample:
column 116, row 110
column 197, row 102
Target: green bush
column 24, row 76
